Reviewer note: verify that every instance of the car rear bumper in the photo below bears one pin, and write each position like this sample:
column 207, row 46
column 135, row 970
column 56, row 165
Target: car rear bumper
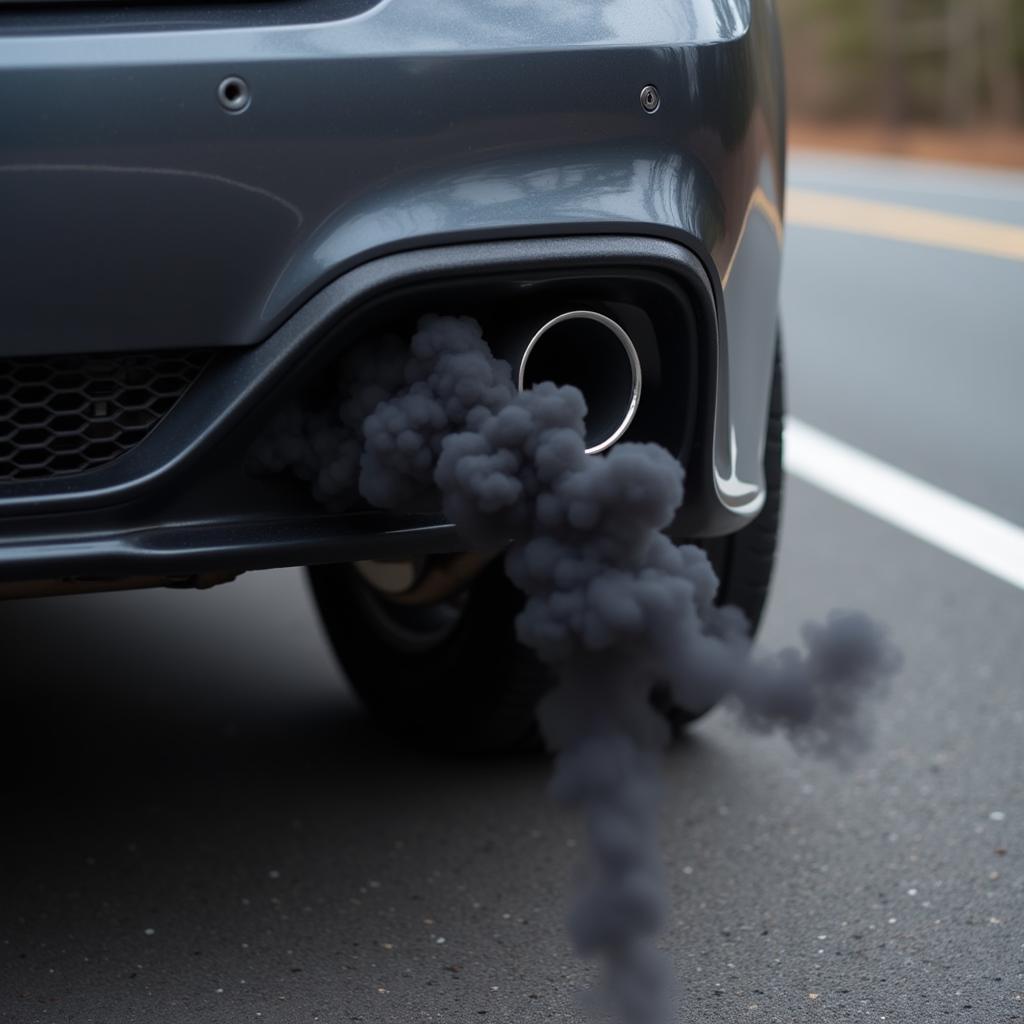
column 141, row 216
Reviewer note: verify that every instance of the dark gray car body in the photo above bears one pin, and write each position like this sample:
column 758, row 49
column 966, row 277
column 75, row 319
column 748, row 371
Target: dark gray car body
column 381, row 141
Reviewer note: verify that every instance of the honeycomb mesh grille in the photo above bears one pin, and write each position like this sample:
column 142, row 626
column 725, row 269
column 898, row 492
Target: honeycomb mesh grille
column 68, row 414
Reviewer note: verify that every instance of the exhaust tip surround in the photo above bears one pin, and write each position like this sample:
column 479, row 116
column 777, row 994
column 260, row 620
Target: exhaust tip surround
column 594, row 353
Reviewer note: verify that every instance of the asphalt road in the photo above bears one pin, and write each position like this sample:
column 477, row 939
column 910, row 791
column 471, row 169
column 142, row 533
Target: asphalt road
column 199, row 825
column 923, row 365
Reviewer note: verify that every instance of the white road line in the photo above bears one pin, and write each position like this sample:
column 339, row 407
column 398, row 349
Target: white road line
column 955, row 526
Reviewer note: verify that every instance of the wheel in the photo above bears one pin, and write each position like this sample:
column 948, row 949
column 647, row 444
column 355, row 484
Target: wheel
column 744, row 560
column 449, row 673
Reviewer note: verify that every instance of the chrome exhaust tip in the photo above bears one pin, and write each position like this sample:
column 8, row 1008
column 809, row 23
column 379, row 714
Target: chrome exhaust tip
column 595, row 354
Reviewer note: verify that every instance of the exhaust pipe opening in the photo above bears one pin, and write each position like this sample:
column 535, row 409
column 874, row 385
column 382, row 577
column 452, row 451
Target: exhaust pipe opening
column 592, row 352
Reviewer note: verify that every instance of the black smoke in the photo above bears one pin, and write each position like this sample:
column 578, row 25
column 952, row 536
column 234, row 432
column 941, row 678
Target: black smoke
column 615, row 608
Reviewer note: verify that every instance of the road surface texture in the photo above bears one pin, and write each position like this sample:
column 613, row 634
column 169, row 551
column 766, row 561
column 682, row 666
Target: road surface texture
column 198, row 824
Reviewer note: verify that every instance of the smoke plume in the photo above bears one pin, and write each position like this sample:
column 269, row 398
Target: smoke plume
column 613, row 606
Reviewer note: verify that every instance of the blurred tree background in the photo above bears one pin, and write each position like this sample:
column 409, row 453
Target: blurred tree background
column 902, row 62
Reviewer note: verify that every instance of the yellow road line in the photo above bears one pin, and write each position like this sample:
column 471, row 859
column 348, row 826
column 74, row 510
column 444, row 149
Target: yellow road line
column 807, row 208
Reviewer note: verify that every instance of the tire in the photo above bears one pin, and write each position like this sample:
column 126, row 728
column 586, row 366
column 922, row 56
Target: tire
column 452, row 675
column 463, row 685
column 744, row 560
